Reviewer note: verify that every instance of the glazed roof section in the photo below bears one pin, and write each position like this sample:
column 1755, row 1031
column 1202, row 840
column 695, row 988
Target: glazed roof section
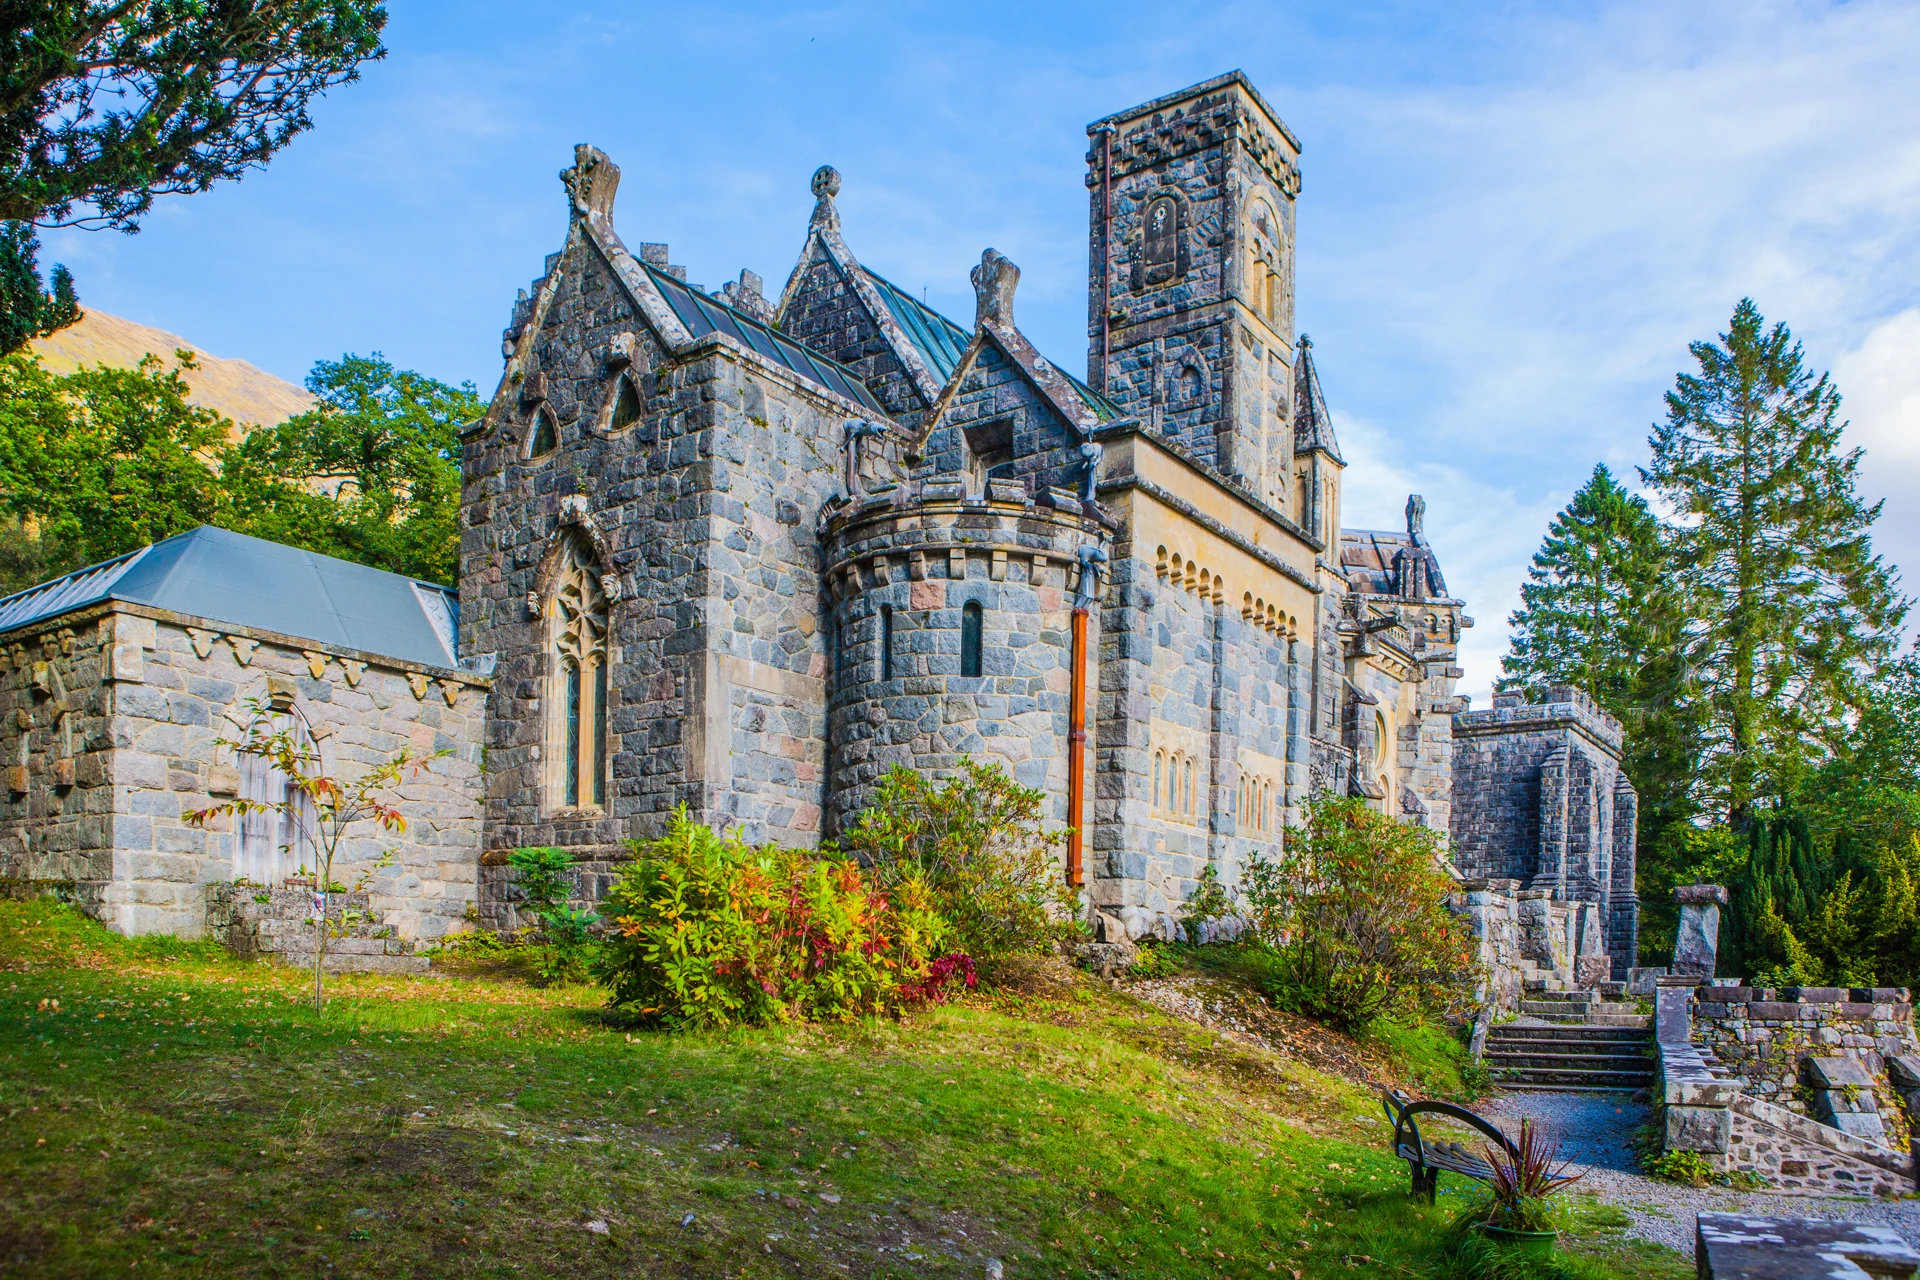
column 942, row 343
column 248, row 582
column 704, row 315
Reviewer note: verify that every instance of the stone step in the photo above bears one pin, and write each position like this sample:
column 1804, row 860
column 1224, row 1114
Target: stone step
column 1575, row 1061
column 1514, row 1031
column 1573, row 1076
column 1526, row 1086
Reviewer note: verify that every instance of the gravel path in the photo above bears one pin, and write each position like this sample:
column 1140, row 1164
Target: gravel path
column 1595, row 1130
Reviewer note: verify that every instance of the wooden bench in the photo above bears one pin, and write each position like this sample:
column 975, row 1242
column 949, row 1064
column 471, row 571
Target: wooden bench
column 1426, row 1159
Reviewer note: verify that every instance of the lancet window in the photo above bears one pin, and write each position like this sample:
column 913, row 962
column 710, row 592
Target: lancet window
column 274, row 842
column 578, row 733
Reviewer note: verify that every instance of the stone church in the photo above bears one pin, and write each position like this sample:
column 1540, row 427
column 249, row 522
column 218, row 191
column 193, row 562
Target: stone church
column 744, row 553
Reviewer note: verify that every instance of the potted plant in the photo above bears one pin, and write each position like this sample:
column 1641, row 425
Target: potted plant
column 1524, row 1186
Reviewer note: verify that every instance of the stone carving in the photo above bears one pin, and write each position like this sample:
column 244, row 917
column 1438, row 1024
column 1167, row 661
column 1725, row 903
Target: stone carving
column 994, row 281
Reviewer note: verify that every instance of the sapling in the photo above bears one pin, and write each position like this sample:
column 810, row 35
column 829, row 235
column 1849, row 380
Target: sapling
column 320, row 807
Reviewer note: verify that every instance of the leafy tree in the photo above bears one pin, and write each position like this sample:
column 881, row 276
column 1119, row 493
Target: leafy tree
column 105, row 104
column 106, row 460
column 371, row 473
column 27, row 309
column 1791, row 608
column 1592, row 609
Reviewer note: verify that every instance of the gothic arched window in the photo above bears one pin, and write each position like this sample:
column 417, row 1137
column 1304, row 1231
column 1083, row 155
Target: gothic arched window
column 626, row 406
column 972, row 627
column 1159, row 763
column 546, row 435
column 579, row 720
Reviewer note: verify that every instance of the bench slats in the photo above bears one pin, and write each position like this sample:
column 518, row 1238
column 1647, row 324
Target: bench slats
column 1426, row 1158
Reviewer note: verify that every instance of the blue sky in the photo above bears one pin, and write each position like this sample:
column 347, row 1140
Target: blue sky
column 1514, row 217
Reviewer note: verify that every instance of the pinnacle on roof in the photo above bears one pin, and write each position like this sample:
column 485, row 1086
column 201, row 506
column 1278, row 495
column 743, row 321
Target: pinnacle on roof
column 1312, row 421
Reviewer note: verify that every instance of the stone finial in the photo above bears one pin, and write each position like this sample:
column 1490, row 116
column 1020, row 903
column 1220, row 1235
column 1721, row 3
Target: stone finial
column 994, row 281
column 1417, row 519
column 592, row 181
column 826, row 185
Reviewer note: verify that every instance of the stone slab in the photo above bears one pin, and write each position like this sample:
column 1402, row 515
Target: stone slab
column 1700, row 895
column 1730, row 1246
column 1904, row 1071
column 1838, row 1073
column 1696, row 943
column 1860, row 1124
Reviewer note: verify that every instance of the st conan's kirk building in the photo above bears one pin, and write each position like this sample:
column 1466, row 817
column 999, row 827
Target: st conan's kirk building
column 744, row 553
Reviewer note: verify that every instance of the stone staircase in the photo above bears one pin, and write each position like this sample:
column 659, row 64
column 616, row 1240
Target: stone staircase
column 277, row 923
column 1593, row 1041
column 1570, row 1058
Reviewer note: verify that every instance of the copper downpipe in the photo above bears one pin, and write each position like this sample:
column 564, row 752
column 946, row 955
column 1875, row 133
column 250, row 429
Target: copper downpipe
column 1077, row 752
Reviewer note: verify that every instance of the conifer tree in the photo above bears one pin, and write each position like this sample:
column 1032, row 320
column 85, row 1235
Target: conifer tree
column 1791, row 610
column 1590, row 611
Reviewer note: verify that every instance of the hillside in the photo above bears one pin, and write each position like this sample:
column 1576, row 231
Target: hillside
column 232, row 388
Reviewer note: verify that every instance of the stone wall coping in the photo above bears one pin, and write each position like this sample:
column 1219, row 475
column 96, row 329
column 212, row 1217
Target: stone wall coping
column 296, row 644
column 842, row 524
column 1535, row 717
column 1687, row 1081
column 1702, row 894
column 1862, row 997
column 1808, row 1130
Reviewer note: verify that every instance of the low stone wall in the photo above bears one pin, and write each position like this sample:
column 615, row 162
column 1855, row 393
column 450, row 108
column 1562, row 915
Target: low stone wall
column 277, row 924
column 1795, row 1153
column 1764, row 1036
column 1523, row 931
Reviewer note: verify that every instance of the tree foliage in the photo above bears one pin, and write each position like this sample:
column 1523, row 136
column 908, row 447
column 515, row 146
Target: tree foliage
column 29, row 308
column 371, row 473
column 103, row 461
column 105, row 104
column 1592, row 609
column 1791, row 610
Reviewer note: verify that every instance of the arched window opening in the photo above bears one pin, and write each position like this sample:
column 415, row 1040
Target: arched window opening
column 1159, row 762
column 578, row 619
column 1273, row 296
column 626, row 406
column 1187, row 784
column 973, row 623
column 546, row 435
column 1161, row 252
column 273, row 844
column 1190, row 383
column 886, row 642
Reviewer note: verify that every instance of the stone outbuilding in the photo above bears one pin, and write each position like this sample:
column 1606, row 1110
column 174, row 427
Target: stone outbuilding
column 116, row 681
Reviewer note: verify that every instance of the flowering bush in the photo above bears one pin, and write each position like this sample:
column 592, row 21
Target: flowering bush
column 976, row 843
column 708, row 931
column 1355, row 912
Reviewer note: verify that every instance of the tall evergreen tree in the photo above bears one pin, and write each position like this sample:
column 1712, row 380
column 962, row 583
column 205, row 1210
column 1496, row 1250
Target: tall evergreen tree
column 1791, row 609
column 1590, row 612
column 28, row 308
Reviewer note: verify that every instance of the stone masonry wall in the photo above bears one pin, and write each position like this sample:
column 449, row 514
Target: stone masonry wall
column 167, row 690
column 1763, row 1036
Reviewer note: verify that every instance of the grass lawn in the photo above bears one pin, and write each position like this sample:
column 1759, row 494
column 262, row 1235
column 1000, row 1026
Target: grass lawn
column 182, row 1113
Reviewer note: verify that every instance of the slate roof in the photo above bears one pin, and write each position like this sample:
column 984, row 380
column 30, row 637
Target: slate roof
column 703, row 315
column 1312, row 420
column 248, row 582
column 1367, row 556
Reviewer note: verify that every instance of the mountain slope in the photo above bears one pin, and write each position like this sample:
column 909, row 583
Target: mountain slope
column 233, row 388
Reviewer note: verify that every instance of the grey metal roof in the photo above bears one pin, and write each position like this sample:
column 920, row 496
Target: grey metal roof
column 703, row 315
column 249, row 582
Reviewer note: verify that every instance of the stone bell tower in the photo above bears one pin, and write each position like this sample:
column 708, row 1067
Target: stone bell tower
column 1190, row 312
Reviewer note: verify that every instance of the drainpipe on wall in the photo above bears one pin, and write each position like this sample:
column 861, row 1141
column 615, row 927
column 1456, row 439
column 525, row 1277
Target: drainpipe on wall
column 1091, row 558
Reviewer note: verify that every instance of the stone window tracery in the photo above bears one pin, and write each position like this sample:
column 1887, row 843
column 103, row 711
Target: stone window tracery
column 578, row 733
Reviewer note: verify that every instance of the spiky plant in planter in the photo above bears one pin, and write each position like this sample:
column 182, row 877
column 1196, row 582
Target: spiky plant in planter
column 1524, row 1187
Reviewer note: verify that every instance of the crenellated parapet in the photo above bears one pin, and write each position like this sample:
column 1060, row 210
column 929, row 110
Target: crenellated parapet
column 949, row 615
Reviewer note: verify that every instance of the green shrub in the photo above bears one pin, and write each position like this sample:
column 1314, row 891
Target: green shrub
column 1152, row 962
column 977, row 845
column 1355, row 912
column 708, row 931
column 1689, row 1167
column 562, row 947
